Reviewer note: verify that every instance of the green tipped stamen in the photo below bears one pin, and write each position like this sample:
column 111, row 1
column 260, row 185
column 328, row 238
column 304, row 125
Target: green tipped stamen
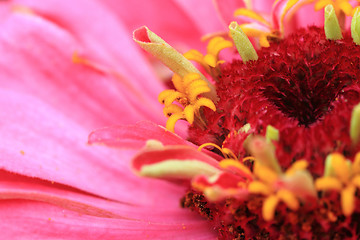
column 331, row 24
column 242, row 43
column 355, row 124
column 271, row 134
column 245, row 128
column 355, row 27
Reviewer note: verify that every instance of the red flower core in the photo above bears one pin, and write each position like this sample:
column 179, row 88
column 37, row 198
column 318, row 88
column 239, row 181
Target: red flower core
column 306, row 87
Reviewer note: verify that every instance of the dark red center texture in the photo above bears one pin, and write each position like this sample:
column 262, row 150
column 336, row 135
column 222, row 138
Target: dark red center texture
column 305, row 86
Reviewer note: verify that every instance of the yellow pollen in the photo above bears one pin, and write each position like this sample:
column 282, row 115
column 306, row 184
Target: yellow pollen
column 22, row 9
column 187, row 100
column 211, row 59
column 79, row 60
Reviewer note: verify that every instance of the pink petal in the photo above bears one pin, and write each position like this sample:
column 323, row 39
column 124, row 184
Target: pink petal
column 109, row 43
column 90, row 97
column 262, row 5
column 148, row 157
column 202, row 13
column 277, row 11
column 170, row 19
column 34, row 220
column 13, row 186
column 302, row 19
column 44, row 143
column 224, row 186
column 306, row 16
column 226, row 9
column 224, row 180
column 134, row 136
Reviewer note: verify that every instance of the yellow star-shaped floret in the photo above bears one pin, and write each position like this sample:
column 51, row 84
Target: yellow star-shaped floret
column 187, row 99
column 342, row 176
column 211, row 59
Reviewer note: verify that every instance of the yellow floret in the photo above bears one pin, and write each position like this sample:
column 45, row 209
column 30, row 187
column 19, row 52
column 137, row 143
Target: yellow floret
column 184, row 102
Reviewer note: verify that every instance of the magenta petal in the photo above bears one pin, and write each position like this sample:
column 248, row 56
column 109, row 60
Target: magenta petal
column 148, row 157
column 226, row 9
column 90, row 97
column 204, row 17
column 34, row 220
column 134, row 136
column 14, row 186
column 224, row 180
column 180, row 28
column 109, row 43
column 306, row 16
column 262, row 5
column 41, row 142
column 297, row 17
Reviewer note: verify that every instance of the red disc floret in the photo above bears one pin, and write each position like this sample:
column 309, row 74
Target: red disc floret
column 304, row 85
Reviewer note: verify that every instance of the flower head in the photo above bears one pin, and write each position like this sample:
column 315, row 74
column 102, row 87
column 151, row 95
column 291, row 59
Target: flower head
column 270, row 113
column 279, row 112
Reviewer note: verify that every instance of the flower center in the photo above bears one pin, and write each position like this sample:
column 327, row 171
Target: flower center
column 300, row 75
column 293, row 86
column 282, row 117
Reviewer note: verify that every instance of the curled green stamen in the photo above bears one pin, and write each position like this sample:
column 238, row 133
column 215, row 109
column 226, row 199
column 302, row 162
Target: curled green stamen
column 271, row 133
column 355, row 124
column 355, row 27
column 242, row 43
column 331, row 24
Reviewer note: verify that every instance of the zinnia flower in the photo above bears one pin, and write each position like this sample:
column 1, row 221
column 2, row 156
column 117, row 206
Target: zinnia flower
column 269, row 115
column 67, row 68
column 284, row 121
